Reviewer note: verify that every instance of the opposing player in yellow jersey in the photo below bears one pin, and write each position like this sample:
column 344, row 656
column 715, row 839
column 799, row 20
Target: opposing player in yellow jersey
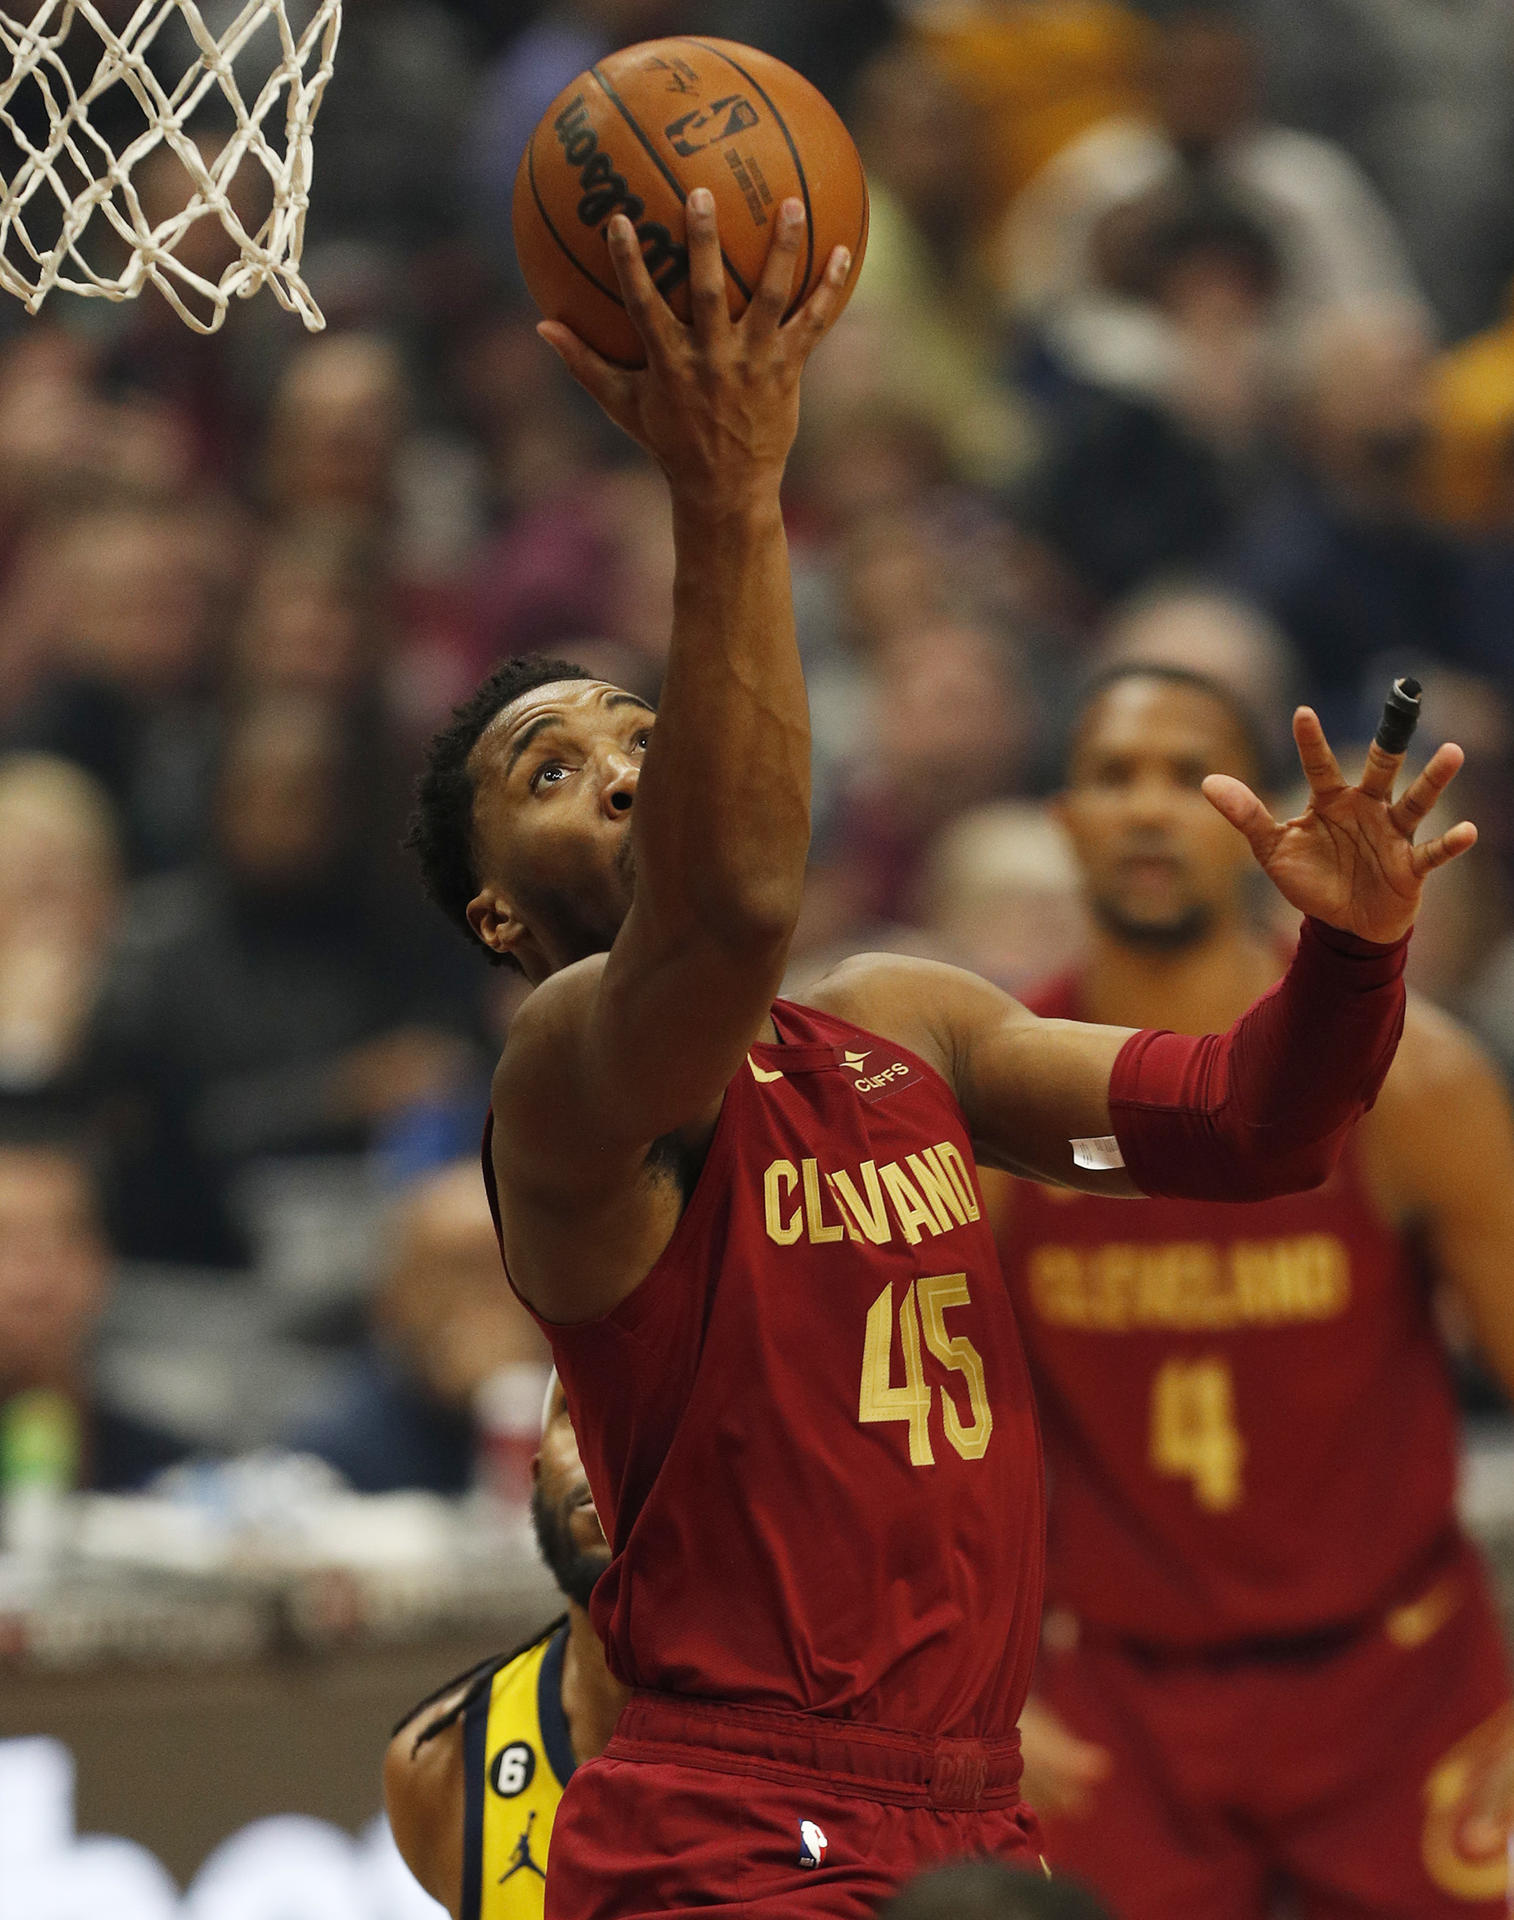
column 473, row 1776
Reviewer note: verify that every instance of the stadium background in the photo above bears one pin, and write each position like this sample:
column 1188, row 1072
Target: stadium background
column 1179, row 334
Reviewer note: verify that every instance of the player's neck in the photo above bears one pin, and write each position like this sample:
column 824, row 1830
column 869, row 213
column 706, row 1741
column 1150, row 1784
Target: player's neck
column 591, row 1695
column 1195, row 989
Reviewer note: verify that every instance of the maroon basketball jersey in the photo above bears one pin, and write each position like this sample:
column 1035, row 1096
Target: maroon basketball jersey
column 1250, row 1431
column 809, row 1431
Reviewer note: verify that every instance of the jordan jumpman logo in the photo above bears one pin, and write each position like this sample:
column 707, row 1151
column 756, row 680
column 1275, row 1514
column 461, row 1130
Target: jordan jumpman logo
column 522, row 1854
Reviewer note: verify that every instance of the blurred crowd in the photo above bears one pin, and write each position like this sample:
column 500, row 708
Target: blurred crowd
column 1181, row 335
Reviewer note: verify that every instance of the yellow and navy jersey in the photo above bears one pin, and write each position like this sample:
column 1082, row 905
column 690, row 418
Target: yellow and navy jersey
column 517, row 1760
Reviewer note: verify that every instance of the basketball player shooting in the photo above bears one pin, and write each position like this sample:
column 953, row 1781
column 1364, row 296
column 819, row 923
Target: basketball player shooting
column 751, row 1228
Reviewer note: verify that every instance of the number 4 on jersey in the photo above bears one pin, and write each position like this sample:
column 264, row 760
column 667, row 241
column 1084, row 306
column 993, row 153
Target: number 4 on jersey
column 922, row 1312
column 1193, row 1430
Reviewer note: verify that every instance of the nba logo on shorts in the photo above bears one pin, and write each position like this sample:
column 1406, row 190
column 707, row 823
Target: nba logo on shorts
column 812, row 1844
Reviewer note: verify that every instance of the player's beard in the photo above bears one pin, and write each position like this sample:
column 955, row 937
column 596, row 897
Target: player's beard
column 1185, row 927
column 574, row 1568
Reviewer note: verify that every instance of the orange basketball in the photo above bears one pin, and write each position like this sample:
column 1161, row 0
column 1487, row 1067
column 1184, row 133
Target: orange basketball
column 634, row 134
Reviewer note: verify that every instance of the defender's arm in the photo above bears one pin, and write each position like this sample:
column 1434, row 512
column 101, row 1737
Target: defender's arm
column 423, row 1796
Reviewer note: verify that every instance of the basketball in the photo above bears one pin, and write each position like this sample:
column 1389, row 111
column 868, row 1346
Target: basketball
column 635, row 134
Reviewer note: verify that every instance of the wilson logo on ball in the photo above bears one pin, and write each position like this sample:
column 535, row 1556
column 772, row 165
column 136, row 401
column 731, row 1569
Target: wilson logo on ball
column 721, row 120
column 605, row 193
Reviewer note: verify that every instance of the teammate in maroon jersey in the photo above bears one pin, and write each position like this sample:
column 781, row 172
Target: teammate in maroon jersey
column 1271, row 1653
column 751, row 1227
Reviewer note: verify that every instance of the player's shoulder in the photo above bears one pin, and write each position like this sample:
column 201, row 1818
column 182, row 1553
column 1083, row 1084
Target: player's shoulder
column 873, row 989
column 935, row 1009
column 542, row 1048
column 425, row 1774
column 552, row 1012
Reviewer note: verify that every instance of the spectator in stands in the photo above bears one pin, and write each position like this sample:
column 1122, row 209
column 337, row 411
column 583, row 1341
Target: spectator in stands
column 272, row 999
column 1339, row 552
column 1470, row 479
column 826, row 40
column 54, row 1278
column 999, row 888
column 564, row 38
column 1420, row 94
column 1041, row 74
column 1197, row 625
column 390, row 142
column 984, row 1890
column 60, row 899
column 443, row 1321
column 310, row 622
column 1334, row 238
column 336, row 426
column 127, row 691
column 949, row 726
column 924, row 308
column 48, row 440
column 1149, row 471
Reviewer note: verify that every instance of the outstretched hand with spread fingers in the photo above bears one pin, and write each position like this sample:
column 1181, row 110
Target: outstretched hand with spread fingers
column 717, row 404
column 1350, row 859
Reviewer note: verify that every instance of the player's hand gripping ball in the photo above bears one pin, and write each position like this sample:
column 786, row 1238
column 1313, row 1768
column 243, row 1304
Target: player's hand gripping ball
column 634, row 134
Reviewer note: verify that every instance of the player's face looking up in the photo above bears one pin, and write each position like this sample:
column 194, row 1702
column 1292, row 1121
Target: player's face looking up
column 1160, row 865
column 568, row 1532
column 555, row 778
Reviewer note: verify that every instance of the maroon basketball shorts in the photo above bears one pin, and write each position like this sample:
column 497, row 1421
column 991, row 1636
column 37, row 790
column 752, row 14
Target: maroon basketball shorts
column 701, row 1808
column 1341, row 1772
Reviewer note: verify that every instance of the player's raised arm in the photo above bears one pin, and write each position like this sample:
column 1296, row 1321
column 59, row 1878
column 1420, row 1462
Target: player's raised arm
column 611, row 1055
column 721, row 822
column 1262, row 1108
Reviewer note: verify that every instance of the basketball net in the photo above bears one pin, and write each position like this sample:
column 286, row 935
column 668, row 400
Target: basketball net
column 61, row 183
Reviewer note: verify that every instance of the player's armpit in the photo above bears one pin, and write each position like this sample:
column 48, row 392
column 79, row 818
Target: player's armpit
column 1441, row 1147
column 423, row 1796
column 1028, row 1088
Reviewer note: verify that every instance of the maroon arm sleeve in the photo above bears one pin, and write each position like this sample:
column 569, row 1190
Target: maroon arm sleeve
column 1264, row 1108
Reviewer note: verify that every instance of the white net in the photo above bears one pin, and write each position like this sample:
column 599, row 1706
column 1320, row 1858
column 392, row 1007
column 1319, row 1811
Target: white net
column 91, row 116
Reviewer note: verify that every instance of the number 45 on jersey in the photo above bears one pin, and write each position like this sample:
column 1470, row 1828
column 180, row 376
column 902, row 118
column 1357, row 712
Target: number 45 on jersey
column 922, row 1316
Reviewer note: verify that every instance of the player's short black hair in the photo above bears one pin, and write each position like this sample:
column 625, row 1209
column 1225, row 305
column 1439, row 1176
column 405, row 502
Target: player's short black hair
column 440, row 833
column 1264, row 760
column 988, row 1890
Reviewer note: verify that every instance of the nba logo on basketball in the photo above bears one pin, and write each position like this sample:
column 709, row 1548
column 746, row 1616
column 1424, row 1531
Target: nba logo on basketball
column 812, row 1844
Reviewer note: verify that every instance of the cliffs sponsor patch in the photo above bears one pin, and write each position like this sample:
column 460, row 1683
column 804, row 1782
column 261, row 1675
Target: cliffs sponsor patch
column 873, row 1074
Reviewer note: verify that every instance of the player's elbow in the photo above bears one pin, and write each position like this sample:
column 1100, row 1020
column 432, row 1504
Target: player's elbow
column 748, row 925
column 1240, row 1172
column 1271, row 1175
column 754, row 911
